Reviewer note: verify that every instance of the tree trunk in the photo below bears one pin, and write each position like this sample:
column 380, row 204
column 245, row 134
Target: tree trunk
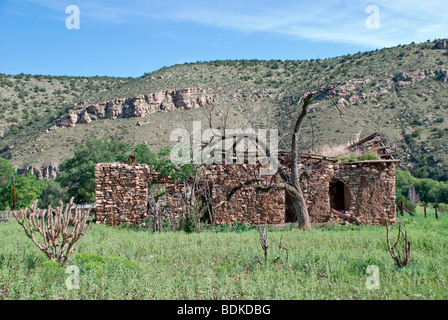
column 301, row 209
column 292, row 183
column 436, row 206
column 13, row 194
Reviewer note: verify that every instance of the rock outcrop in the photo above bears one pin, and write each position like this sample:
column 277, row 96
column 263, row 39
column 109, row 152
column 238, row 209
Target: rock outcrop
column 403, row 79
column 352, row 92
column 42, row 172
column 6, row 149
column 84, row 112
column 443, row 44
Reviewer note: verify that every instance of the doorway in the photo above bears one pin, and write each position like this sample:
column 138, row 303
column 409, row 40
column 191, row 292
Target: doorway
column 339, row 196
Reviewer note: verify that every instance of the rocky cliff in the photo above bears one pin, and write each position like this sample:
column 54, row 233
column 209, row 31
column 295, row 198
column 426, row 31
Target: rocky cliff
column 352, row 92
column 42, row 172
column 84, row 112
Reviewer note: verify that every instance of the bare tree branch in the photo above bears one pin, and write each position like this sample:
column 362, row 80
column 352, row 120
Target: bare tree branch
column 59, row 229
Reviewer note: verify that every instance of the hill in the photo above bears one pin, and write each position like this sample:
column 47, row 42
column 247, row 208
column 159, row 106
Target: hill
column 400, row 92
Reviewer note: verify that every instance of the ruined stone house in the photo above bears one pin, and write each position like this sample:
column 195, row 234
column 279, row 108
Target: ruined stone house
column 364, row 190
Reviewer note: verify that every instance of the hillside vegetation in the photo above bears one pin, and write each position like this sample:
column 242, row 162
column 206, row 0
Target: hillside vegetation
column 400, row 92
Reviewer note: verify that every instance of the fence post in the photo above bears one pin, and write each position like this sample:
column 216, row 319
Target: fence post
column 13, row 194
column 436, row 206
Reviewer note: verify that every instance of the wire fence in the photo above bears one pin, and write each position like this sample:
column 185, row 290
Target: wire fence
column 6, row 215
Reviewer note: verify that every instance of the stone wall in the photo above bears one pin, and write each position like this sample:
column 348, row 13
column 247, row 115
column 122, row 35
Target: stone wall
column 121, row 189
column 371, row 187
column 364, row 190
column 315, row 187
column 367, row 191
column 246, row 205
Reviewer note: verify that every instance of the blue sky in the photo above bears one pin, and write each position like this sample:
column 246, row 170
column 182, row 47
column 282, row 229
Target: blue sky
column 129, row 38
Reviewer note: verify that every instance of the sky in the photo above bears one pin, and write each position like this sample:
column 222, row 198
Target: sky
column 129, row 38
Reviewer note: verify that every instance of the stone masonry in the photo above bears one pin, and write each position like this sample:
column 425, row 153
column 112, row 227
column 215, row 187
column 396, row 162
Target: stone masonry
column 370, row 190
column 121, row 193
column 364, row 190
column 246, row 205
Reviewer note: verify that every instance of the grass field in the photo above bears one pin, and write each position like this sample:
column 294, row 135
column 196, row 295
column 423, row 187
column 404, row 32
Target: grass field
column 329, row 262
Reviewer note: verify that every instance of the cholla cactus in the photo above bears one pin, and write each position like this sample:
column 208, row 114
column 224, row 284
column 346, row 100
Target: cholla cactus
column 400, row 259
column 59, row 229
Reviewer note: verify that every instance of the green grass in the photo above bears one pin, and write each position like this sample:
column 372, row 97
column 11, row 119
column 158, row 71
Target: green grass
column 353, row 157
column 329, row 262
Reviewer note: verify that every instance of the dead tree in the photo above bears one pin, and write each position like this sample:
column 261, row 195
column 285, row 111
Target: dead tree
column 413, row 196
column 156, row 212
column 263, row 241
column 281, row 179
column 403, row 208
column 281, row 246
column 55, row 232
column 194, row 192
column 263, row 233
column 400, row 259
column 195, row 197
column 425, row 204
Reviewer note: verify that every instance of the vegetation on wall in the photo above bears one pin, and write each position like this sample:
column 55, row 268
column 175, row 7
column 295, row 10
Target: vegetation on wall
column 354, row 157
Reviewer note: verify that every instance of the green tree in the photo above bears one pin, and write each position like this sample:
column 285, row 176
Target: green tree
column 144, row 155
column 6, row 171
column 405, row 181
column 403, row 200
column 52, row 194
column 77, row 174
column 162, row 163
column 426, row 187
column 429, row 190
column 443, row 194
column 27, row 189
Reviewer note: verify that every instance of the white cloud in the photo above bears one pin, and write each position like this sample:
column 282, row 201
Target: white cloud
column 340, row 21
